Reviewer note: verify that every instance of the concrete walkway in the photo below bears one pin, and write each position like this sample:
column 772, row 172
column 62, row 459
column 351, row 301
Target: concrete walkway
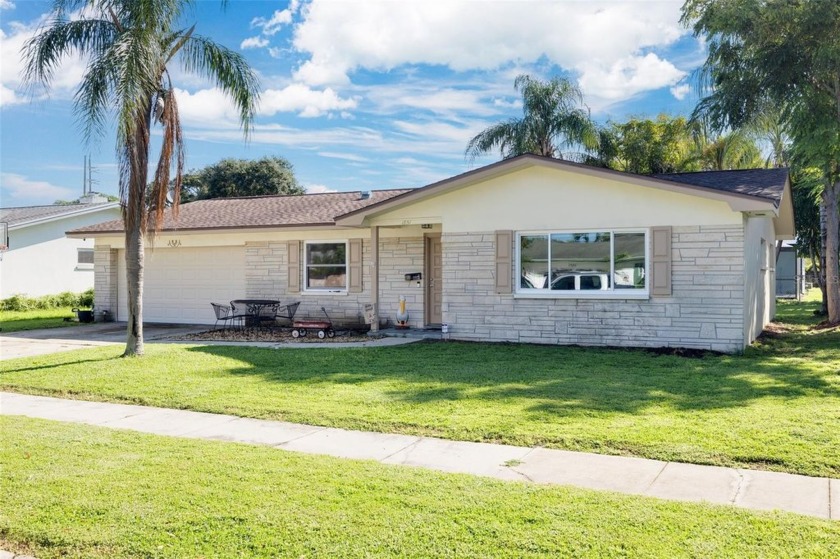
column 54, row 340
column 750, row 489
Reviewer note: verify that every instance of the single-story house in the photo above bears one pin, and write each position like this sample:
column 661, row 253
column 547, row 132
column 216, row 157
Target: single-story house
column 39, row 259
column 528, row 249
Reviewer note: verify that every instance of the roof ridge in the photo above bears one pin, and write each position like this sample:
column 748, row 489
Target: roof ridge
column 343, row 192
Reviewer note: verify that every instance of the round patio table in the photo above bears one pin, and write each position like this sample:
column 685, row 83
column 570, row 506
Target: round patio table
column 253, row 308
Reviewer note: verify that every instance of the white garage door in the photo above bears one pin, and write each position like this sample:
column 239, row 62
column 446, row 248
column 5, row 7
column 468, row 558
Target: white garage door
column 180, row 283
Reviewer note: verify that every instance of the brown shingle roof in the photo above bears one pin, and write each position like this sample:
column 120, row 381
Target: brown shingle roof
column 259, row 212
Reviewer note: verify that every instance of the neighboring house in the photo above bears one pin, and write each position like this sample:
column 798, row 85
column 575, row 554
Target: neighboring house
column 40, row 259
column 790, row 272
column 525, row 250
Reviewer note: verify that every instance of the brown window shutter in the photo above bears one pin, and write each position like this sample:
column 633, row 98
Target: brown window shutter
column 660, row 265
column 354, row 266
column 293, row 250
column 504, row 261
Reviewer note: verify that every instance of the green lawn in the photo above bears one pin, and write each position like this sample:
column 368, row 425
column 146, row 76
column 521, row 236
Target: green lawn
column 80, row 491
column 14, row 321
column 775, row 407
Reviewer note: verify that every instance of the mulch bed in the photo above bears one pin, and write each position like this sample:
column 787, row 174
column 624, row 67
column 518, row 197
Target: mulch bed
column 275, row 335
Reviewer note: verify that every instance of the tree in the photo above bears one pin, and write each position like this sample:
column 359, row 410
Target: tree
column 129, row 45
column 806, row 186
column 241, row 177
column 725, row 151
column 782, row 52
column 554, row 119
column 645, row 146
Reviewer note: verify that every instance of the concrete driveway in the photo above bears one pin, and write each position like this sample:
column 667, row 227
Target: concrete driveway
column 54, row 340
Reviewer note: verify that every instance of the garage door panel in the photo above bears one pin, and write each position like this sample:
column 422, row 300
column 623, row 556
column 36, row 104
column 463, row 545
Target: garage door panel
column 181, row 283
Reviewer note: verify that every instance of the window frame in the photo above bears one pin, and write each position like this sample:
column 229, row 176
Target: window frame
column 85, row 266
column 610, row 293
column 305, row 264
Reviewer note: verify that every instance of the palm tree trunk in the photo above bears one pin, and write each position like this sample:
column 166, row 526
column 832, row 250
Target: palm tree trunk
column 135, row 220
column 134, row 260
column 831, row 197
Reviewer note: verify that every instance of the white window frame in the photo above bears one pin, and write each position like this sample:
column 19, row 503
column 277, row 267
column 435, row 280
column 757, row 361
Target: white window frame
column 305, row 263
column 84, row 267
column 611, row 293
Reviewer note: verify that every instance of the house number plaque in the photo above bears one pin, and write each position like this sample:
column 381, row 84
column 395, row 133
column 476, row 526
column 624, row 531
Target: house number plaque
column 174, row 243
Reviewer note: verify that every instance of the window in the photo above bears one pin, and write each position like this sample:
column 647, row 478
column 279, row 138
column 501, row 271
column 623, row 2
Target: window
column 84, row 259
column 597, row 262
column 326, row 266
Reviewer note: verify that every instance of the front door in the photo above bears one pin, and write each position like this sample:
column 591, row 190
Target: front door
column 434, row 280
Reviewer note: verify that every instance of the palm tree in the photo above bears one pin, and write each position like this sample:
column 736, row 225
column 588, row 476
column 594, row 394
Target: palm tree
column 129, row 45
column 554, row 119
column 724, row 150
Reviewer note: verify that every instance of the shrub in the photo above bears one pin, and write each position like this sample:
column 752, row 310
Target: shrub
column 65, row 299
column 86, row 298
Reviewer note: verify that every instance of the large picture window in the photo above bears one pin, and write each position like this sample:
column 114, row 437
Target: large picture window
column 596, row 262
column 326, row 266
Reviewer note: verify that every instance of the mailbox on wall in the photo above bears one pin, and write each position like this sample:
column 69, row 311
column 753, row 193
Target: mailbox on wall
column 416, row 276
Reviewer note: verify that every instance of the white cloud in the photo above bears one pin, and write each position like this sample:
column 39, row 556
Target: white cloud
column 7, row 5
column 18, row 187
column 206, row 107
column 626, row 77
column 66, row 77
column 435, row 99
column 270, row 26
column 318, row 189
column 9, row 97
column 253, row 43
column 680, row 91
column 344, row 156
column 601, row 41
column 303, row 100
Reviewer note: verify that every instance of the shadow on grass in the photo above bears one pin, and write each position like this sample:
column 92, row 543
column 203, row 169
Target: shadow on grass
column 548, row 381
column 59, row 365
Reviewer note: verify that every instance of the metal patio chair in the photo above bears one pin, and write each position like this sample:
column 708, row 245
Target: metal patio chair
column 224, row 314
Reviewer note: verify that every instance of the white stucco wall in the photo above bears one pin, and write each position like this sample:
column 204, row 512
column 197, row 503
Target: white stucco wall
column 539, row 198
column 42, row 261
column 759, row 275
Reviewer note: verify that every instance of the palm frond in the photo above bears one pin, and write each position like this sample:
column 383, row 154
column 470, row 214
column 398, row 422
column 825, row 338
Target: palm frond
column 228, row 70
column 44, row 52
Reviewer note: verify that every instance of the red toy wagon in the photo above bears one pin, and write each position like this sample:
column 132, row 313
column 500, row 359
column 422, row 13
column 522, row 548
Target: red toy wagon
column 324, row 327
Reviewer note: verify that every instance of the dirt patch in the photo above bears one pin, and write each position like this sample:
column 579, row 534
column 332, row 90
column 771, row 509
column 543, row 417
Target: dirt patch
column 826, row 325
column 776, row 329
column 275, row 335
column 682, row 352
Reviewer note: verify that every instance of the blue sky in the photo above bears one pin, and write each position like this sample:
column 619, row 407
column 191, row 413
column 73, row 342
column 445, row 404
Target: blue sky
column 363, row 94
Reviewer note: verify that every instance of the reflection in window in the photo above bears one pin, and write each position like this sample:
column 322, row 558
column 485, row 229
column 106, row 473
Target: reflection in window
column 586, row 261
column 326, row 266
column 84, row 259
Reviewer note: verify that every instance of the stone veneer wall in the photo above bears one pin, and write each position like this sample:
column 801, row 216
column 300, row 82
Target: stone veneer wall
column 105, row 282
column 266, row 276
column 705, row 311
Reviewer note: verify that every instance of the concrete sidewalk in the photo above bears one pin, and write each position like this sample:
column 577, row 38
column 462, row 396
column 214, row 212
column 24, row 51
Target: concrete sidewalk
column 750, row 489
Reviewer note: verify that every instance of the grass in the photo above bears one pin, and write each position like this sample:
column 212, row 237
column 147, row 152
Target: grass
column 775, row 407
column 15, row 321
column 79, row 491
